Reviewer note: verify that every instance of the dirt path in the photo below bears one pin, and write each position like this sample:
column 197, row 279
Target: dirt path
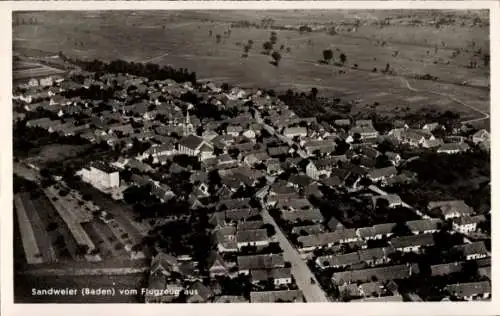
column 454, row 99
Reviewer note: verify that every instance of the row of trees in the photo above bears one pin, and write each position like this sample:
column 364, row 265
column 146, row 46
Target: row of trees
column 148, row 70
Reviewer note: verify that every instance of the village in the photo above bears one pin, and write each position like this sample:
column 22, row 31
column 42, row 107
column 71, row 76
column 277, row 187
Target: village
column 230, row 196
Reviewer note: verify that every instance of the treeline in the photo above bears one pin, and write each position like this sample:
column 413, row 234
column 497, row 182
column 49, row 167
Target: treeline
column 467, row 179
column 148, row 70
column 309, row 104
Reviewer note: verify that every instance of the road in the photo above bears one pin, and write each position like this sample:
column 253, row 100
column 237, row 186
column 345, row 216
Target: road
column 300, row 270
column 454, row 99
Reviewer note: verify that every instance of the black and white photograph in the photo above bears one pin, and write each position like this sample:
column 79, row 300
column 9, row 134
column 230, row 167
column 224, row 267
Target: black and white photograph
column 251, row 156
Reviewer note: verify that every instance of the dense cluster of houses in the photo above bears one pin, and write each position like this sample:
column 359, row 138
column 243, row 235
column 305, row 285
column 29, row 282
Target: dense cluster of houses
column 280, row 160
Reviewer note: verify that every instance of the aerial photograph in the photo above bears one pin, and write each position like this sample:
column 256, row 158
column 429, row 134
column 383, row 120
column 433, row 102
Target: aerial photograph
column 238, row 156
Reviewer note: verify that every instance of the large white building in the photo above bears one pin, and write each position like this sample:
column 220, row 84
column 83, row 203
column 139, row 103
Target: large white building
column 101, row 176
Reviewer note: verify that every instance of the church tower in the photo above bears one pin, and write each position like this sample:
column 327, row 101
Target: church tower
column 187, row 127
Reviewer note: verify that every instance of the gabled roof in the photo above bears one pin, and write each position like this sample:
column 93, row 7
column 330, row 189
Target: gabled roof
column 267, row 261
column 266, row 274
column 382, row 274
column 469, row 289
column 422, row 225
column 383, row 172
column 309, row 229
column 327, row 238
column 473, row 248
column 304, row 215
column 191, row 141
column 411, row 241
column 254, row 235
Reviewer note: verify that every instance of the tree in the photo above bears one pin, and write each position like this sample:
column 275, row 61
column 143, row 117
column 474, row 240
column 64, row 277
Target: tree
column 271, row 231
column 327, row 55
column 387, row 68
column 314, row 93
column 274, row 38
column 277, row 57
column 382, row 161
column 401, row 229
column 486, row 60
column 343, row 58
column 218, row 38
column 267, row 46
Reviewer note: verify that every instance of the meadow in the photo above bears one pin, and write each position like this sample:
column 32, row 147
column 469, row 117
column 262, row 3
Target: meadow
column 188, row 39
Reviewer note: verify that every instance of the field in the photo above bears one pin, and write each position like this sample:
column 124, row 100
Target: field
column 24, row 71
column 181, row 39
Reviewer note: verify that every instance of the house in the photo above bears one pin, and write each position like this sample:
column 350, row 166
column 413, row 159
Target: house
column 432, row 143
column 363, row 123
column 470, row 291
column 313, row 215
column 450, row 209
column 280, row 276
column 234, row 130
column 208, row 135
column 157, row 151
column 373, row 256
column 413, row 137
column 431, row 126
column 125, row 129
column 256, row 262
column 319, row 167
column 250, row 134
column 255, row 157
column 382, row 174
column 481, row 136
column 255, row 237
column 340, row 261
column 467, row 224
column 340, row 236
column 192, row 145
column 453, row 148
column 395, row 272
column 378, row 231
column 342, row 123
column 446, row 268
column 472, row 251
column 161, row 191
column 308, row 229
column 278, row 151
column 393, row 200
column 225, row 237
column 101, row 176
column 290, row 296
column 412, row 243
column 216, row 265
column 321, row 146
column 273, row 166
column 367, row 132
column 334, row 224
column 299, row 181
column 424, row 226
column 250, row 225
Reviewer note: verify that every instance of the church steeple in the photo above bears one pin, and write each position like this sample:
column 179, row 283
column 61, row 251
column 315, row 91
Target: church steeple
column 188, row 128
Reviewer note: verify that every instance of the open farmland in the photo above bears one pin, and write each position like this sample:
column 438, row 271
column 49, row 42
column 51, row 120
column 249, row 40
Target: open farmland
column 182, row 39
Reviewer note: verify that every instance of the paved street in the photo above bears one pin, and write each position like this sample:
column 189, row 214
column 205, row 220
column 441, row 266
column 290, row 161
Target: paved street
column 300, row 270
